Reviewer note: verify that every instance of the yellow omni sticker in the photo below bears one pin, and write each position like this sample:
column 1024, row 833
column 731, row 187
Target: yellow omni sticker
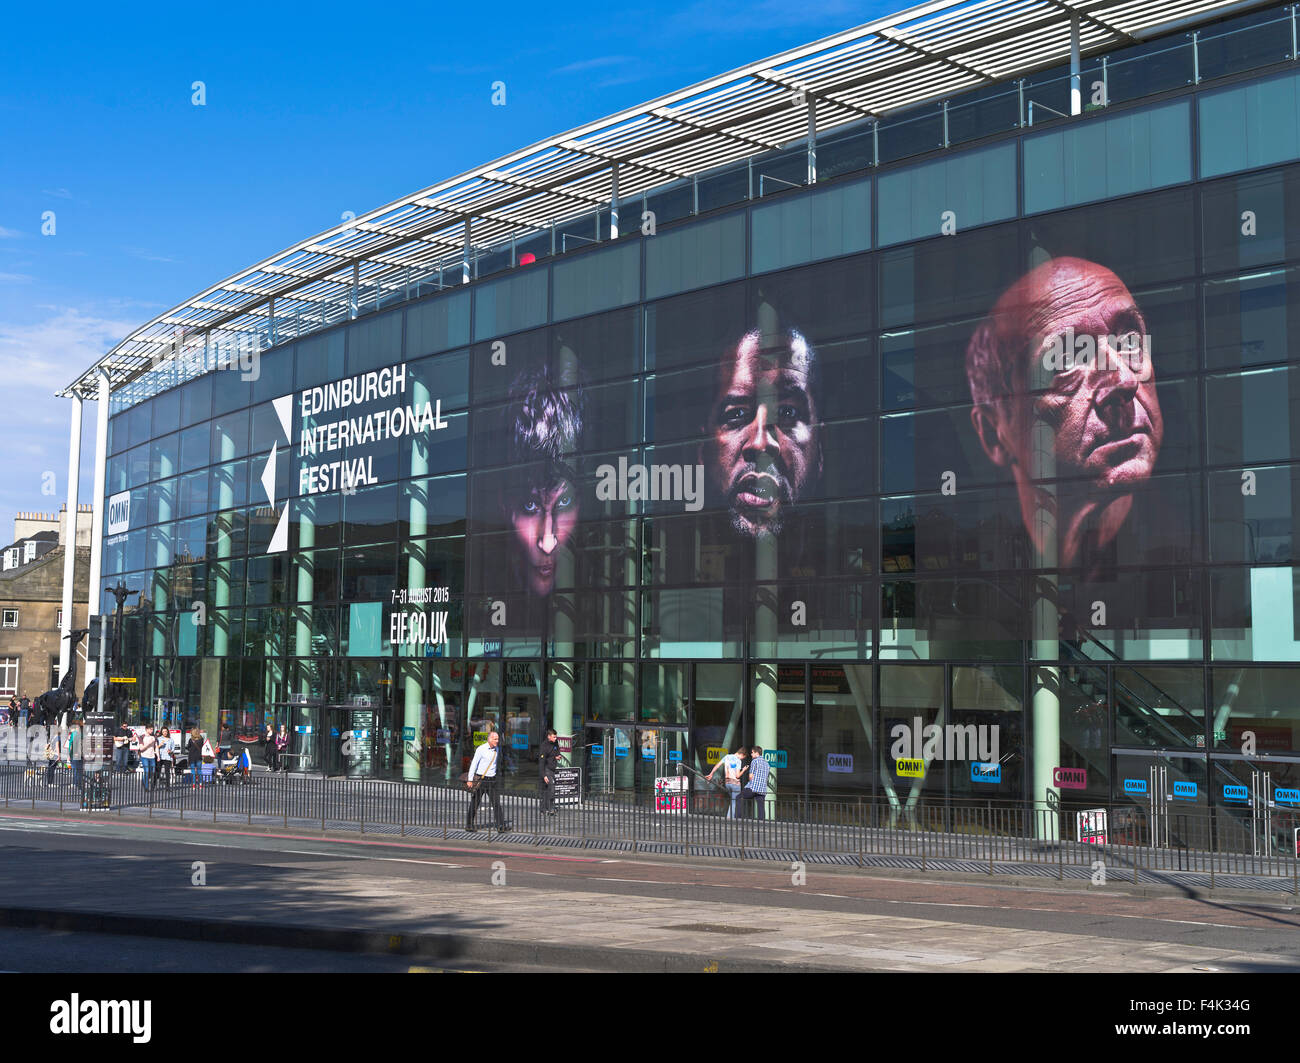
column 713, row 754
column 910, row 767
column 480, row 737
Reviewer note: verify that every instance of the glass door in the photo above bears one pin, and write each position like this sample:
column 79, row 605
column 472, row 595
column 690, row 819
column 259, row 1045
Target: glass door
column 659, row 752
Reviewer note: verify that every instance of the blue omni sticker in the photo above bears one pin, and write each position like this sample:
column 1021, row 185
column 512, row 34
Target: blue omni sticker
column 1235, row 793
column 1135, row 786
column 985, row 772
column 1286, row 795
column 674, row 754
column 597, row 751
column 1184, row 789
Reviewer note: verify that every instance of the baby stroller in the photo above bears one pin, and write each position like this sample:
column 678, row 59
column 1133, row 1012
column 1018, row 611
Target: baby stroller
column 236, row 769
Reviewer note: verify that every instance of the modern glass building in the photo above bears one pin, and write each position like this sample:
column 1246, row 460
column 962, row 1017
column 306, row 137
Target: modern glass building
column 921, row 376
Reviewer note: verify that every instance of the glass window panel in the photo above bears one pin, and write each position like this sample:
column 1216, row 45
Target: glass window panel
column 840, row 758
column 964, row 190
column 511, row 304
column 1146, row 240
column 1108, row 157
column 196, row 400
column 691, row 330
column 167, row 412
column 696, row 255
column 1250, row 125
column 437, row 324
column 1253, row 514
column 196, row 446
column 1263, row 701
column 1254, row 612
column 230, row 436
column 950, row 279
column 1250, row 220
column 1253, row 414
column 988, row 719
column 597, row 280
column 1159, row 707
column 274, row 374
column 370, row 514
column 906, row 693
column 445, row 378
column 823, row 224
column 1081, row 702
column 230, row 391
column 374, row 342
column 319, row 359
column 1248, row 320
column 983, row 618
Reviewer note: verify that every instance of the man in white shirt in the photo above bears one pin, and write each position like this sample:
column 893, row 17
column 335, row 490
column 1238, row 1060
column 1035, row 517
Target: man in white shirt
column 483, row 769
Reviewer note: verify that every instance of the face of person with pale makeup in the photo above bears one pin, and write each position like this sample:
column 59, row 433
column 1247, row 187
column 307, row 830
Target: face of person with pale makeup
column 543, row 520
column 1097, row 405
column 763, row 441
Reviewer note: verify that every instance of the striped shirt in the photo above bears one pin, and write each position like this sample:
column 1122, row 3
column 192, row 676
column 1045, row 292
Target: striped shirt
column 758, row 772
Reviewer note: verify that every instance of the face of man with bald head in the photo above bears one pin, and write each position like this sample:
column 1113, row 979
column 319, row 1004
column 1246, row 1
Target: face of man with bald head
column 762, row 446
column 1064, row 390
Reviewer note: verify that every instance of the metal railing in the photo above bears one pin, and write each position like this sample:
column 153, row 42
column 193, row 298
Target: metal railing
column 984, row 837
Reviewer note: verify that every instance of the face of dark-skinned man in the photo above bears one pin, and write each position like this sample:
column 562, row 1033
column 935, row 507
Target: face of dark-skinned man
column 763, row 440
column 1100, row 413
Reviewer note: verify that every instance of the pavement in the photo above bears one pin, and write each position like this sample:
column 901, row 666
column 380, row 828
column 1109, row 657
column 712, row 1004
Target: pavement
column 479, row 901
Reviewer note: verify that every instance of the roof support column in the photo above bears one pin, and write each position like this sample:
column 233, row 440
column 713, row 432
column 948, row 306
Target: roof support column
column 356, row 290
column 270, row 319
column 613, row 203
column 1076, row 81
column 70, row 536
column 812, row 141
column 464, row 257
column 97, row 513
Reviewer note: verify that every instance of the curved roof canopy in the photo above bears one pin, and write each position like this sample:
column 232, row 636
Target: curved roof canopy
column 927, row 52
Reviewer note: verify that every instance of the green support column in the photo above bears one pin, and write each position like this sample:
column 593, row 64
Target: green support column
column 765, row 637
column 1045, row 620
column 418, row 516
column 162, row 563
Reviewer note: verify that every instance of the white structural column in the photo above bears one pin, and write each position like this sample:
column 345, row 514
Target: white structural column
column 812, row 140
column 1076, row 81
column 97, row 515
column 613, row 203
column 464, row 256
column 70, row 545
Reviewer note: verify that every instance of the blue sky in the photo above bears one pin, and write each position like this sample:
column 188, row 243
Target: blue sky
column 311, row 111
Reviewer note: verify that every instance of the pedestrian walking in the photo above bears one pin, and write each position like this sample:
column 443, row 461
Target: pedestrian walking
column 268, row 748
column 149, row 754
column 483, row 779
column 755, row 792
column 547, row 764
column 281, row 744
column 730, row 766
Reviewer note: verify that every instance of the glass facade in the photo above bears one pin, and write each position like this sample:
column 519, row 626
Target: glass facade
column 994, row 447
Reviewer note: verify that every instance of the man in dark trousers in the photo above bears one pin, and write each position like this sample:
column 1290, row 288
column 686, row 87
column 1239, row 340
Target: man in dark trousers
column 484, row 778
column 547, row 764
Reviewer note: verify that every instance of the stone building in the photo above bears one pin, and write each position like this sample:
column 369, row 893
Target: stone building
column 31, row 598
